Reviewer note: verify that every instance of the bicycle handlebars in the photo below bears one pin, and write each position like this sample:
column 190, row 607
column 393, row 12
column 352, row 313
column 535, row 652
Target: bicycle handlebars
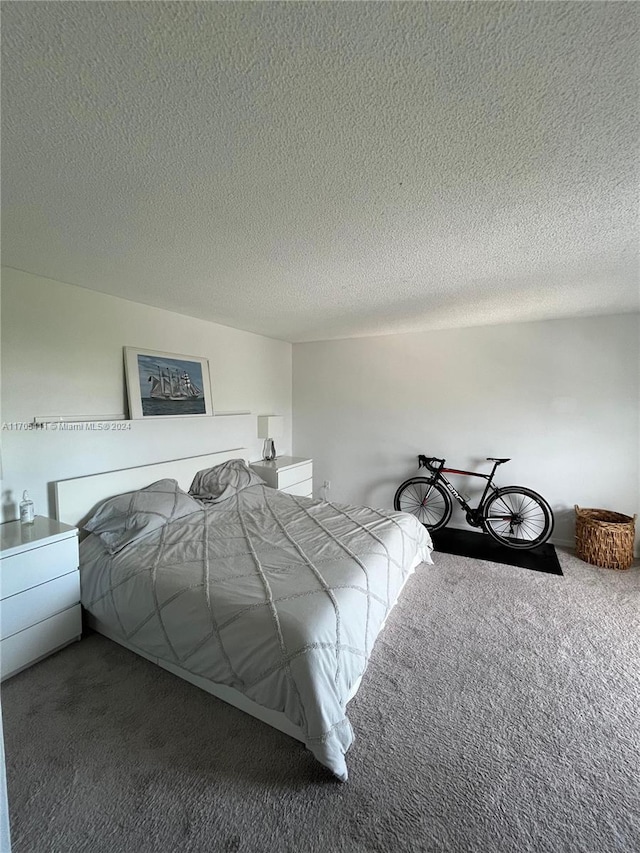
column 427, row 462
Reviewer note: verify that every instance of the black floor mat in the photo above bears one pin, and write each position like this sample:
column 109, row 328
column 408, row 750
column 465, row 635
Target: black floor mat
column 466, row 543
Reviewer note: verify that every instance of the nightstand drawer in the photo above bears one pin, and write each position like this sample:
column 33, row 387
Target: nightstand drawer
column 296, row 474
column 38, row 565
column 28, row 646
column 303, row 489
column 38, row 603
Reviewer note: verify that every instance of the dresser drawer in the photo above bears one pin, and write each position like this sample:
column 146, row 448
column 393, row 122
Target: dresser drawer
column 297, row 474
column 28, row 646
column 38, row 565
column 40, row 602
column 303, row 489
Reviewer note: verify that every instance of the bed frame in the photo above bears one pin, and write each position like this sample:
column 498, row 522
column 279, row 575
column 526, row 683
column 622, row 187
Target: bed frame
column 77, row 498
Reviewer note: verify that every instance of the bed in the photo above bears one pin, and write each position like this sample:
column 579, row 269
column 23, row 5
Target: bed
column 271, row 602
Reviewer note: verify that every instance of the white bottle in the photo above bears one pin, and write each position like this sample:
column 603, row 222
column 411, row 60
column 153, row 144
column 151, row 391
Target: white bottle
column 27, row 514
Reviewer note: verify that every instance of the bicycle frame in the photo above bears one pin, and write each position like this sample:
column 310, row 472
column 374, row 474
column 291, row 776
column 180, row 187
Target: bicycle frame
column 514, row 516
column 438, row 474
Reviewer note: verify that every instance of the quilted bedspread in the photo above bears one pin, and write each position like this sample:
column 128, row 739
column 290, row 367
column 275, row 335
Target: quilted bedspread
column 280, row 597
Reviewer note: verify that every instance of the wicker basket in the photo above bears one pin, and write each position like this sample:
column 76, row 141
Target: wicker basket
column 605, row 538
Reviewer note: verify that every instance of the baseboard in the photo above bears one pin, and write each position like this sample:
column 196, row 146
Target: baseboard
column 564, row 543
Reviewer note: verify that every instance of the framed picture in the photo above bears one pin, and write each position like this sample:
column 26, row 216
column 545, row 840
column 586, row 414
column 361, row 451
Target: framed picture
column 166, row 385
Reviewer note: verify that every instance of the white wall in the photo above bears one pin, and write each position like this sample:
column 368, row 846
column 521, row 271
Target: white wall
column 559, row 397
column 62, row 354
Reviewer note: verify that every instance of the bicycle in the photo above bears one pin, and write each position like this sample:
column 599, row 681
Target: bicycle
column 513, row 515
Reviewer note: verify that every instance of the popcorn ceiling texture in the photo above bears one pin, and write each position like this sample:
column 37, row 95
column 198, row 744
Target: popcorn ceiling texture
column 325, row 170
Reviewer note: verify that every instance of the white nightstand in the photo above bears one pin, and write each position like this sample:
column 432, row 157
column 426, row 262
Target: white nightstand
column 290, row 474
column 39, row 590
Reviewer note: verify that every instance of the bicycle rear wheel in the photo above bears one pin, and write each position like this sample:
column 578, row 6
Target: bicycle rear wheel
column 428, row 501
column 518, row 517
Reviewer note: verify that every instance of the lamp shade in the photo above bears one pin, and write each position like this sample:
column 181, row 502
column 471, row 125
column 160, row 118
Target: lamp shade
column 270, row 426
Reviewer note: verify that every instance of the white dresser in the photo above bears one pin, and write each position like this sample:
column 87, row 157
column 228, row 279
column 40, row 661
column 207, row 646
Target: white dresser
column 291, row 474
column 39, row 590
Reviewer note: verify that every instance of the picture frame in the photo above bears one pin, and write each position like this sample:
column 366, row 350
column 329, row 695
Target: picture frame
column 167, row 385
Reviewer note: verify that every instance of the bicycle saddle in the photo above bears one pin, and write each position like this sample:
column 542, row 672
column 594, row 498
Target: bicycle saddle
column 493, row 459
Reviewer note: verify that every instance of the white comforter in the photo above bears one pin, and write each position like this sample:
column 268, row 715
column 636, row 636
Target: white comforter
column 280, row 597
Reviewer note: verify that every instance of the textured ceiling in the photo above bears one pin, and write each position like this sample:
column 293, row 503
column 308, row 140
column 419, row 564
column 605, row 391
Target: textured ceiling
column 322, row 170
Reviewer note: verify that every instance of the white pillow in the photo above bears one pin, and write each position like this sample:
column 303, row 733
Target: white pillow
column 223, row 481
column 126, row 518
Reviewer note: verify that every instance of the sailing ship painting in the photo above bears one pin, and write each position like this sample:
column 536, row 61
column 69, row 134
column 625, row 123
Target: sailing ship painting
column 170, row 384
column 166, row 385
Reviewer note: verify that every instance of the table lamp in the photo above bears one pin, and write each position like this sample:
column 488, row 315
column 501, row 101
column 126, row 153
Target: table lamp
column 269, row 427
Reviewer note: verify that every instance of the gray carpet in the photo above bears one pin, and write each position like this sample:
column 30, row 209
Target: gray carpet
column 500, row 713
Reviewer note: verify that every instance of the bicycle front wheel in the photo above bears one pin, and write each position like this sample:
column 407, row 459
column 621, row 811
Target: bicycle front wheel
column 518, row 517
column 428, row 501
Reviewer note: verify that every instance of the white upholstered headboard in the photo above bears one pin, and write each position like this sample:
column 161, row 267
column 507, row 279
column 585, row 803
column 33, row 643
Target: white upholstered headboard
column 77, row 497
